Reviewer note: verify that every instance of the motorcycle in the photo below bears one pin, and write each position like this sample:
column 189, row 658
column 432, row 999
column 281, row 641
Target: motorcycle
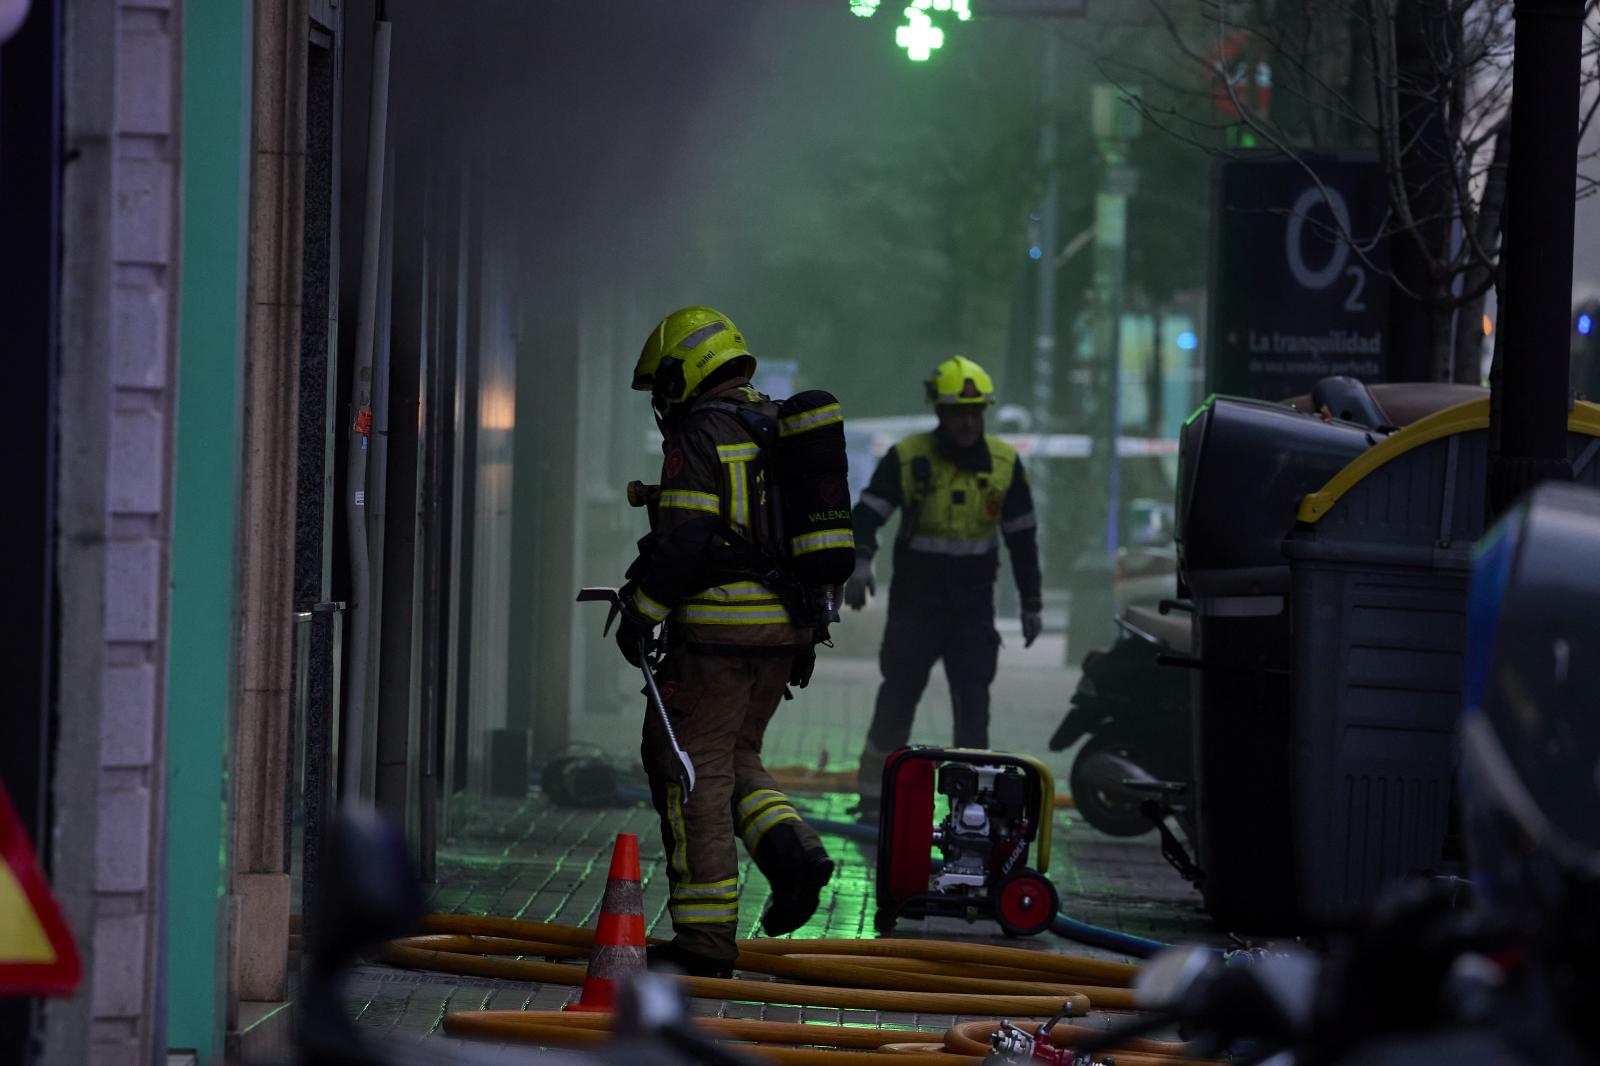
column 1135, row 713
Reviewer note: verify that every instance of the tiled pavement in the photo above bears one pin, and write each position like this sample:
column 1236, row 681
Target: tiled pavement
column 536, row 861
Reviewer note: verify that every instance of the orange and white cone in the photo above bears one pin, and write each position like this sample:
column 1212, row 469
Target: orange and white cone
column 619, row 939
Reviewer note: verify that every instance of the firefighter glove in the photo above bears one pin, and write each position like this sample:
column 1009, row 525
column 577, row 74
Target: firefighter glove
column 805, row 664
column 861, row 585
column 632, row 636
column 1032, row 626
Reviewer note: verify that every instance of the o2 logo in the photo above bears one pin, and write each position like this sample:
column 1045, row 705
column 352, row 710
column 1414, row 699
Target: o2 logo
column 1338, row 264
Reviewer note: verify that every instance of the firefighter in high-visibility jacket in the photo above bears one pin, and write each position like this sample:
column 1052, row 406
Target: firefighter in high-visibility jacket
column 731, row 648
column 959, row 492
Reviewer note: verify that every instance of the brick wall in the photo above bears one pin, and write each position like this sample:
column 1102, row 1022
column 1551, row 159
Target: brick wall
column 118, row 362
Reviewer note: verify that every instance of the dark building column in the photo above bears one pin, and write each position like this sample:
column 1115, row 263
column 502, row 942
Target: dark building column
column 1530, row 410
column 545, row 497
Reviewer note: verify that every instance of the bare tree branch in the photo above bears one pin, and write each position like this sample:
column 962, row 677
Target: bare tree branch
column 1441, row 127
column 1391, row 152
column 1588, row 116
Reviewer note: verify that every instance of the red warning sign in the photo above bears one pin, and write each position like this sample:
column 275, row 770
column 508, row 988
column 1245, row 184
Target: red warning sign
column 37, row 955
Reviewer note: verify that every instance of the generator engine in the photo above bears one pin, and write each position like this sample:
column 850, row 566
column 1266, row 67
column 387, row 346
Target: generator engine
column 967, row 854
column 986, row 822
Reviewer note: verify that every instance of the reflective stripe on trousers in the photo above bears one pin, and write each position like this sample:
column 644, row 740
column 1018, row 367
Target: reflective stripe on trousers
column 706, row 903
column 678, row 859
column 760, row 811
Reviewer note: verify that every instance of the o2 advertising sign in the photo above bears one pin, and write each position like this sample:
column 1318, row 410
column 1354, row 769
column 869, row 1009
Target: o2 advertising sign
column 1298, row 274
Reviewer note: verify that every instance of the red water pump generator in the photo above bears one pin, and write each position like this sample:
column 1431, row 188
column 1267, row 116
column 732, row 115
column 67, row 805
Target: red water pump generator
column 997, row 807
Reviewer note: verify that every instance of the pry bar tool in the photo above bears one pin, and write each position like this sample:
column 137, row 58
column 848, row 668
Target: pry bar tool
column 602, row 594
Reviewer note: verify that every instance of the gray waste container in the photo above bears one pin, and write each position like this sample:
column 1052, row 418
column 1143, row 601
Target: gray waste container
column 1378, row 561
column 1243, row 467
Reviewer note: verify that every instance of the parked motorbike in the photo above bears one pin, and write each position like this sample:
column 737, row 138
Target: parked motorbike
column 1135, row 713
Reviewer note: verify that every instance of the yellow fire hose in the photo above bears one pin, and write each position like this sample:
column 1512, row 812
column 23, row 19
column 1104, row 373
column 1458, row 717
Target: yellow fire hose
column 827, row 972
column 1045, row 973
column 967, row 1041
column 761, row 1032
column 922, row 976
column 868, row 970
column 865, row 977
column 514, row 928
column 944, row 969
column 495, row 945
column 972, row 1038
column 803, row 1056
column 1065, row 968
column 774, row 992
column 1068, row 966
column 495, row 1025
column 918, row 1049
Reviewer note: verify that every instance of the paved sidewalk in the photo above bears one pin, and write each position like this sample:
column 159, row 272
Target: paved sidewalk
column 540, row 862
column 543, row 863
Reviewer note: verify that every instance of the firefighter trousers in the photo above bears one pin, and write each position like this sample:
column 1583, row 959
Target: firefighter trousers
column 720, row 706
column 960, row 631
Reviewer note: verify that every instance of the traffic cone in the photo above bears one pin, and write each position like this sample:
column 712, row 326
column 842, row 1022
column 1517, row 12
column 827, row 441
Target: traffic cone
column 619, row 939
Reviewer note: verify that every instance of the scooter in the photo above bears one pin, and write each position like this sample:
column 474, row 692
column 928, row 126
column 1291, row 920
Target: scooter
column 1135, row 713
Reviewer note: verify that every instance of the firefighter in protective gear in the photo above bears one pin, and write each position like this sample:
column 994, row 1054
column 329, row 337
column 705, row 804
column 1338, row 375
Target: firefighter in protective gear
column 731, row 647
column 959, row 492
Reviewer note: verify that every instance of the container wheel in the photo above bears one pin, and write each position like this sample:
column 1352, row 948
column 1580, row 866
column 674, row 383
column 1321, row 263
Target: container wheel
column 1026, row 903
column 883, row 922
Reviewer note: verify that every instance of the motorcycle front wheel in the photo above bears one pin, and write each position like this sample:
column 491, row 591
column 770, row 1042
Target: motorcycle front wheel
column 1098, row 792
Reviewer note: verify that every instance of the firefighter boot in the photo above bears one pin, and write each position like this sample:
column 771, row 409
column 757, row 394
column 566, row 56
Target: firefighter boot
column 797, row 875
column 672, row 957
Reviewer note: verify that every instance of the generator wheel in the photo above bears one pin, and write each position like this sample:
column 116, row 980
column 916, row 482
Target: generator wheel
column 1026, row 903
column 883, row 922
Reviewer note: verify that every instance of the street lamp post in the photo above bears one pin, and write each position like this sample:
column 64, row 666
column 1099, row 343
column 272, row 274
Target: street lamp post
column 1044, row 334
column 1115, row 123
column 1529, row 425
